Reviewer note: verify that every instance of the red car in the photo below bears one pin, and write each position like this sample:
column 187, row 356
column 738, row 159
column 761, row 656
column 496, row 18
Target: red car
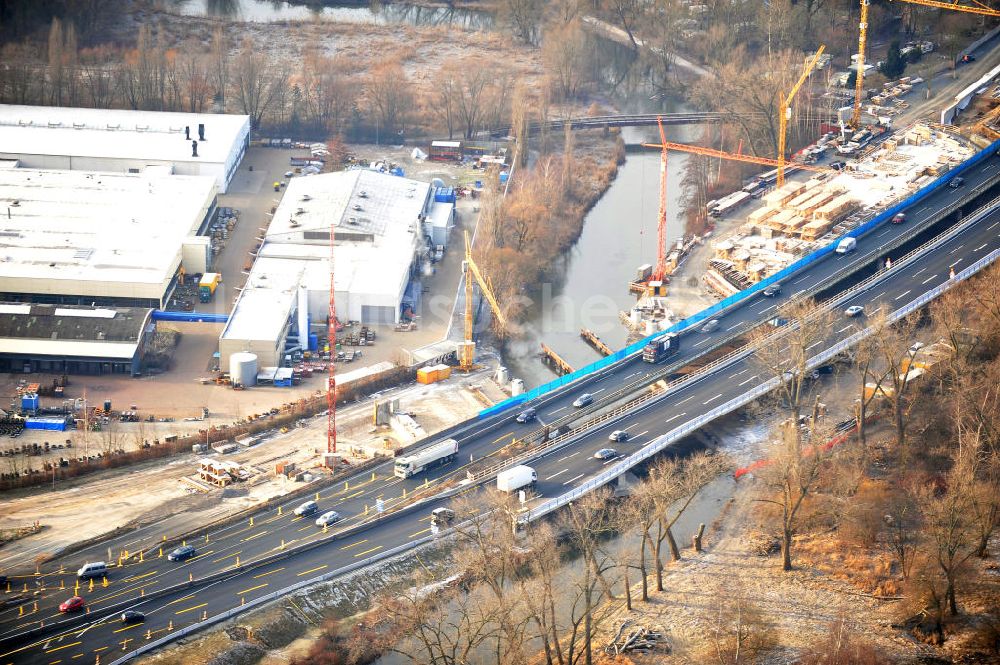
column 73, row 604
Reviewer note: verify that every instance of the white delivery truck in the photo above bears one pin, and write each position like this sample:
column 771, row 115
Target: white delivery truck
column 516, row 478
column 443, row 452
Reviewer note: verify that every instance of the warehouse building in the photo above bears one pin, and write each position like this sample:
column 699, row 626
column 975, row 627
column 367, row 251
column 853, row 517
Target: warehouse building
column 380, row 242
column 73, row 340
column 72, row 237
column 120, row 141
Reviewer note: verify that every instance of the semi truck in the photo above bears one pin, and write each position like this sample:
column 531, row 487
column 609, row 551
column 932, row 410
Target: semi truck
column 438, row 454
column 206, row 287
column 661, row 348
column 516, row 478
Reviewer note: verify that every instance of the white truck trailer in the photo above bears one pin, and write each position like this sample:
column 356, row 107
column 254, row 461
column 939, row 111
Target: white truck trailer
column 516, row 478
column 443, row 452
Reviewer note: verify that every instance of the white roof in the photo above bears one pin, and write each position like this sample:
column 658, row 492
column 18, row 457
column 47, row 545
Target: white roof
column 440, row 214
column 117, row 134
column 65, row 347
column 80, row 226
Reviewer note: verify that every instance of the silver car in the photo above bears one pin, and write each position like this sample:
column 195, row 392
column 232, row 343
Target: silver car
column 328, row 518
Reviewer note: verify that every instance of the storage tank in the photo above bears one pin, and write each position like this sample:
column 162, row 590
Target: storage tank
column 502, row 375
column 243, row 369
column 516, row 387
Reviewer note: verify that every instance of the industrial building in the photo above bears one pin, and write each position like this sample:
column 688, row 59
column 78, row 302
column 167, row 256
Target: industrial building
column 73, row 340
column 116, row 239
column 122, row 141
column 382, row 224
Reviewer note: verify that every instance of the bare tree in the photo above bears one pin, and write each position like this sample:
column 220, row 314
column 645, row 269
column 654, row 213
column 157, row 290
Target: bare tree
column 739, row 631
column 524, row 18
column 564, row 54
column 679, row 482
column 901, row 527
column 259, row 83
column 390, row 95
column 219, row 68
column 894, row 345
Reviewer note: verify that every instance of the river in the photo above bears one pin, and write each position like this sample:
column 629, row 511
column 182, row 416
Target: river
column 263, row 11
column 591, row 281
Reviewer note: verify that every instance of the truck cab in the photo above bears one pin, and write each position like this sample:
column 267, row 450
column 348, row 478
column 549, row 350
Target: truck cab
column 207, row 285
column 661, row 348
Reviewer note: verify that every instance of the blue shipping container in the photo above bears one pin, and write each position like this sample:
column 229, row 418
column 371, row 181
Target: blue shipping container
column 51, row 424
column 313, row 342
column 444, row 195
column 29, row 402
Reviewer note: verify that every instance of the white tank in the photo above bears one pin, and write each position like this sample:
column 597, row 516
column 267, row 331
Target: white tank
column 516, row 387
column 502, row 376
column 650, row 327
column 243, row 368
column 635, row 316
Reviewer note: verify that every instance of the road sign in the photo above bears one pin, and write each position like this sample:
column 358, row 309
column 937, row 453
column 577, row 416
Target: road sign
column 379, row 506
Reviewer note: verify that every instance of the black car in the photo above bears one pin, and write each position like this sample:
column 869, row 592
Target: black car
column 772, row 290
column 130, row 617
column 526, row 416
column 956, row 182
column 181, row 553
column 838, row 165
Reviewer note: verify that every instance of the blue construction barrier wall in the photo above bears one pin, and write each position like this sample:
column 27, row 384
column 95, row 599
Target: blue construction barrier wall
column 189, row 317
column 708, row 312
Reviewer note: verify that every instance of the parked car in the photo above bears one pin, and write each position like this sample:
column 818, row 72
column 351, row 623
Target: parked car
column 772, row 290
column 710, row 326
column 442, row 516
column 839, row 165
column 899, row 218
column 956, row 182
column 583, row 400
column 618, row 435
column 74, row 604
column 306, row 509
column 606, row 453
column 182, row 553
column 526, row 416
column 129, row 617
column 328, row 518
column 854, row 310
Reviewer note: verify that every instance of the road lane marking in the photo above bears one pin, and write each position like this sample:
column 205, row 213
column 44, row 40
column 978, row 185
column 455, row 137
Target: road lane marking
column 957, row 261
column 610, row 460
column 685, row 400
column 733, row 376
column 65, row 646
column 313, row 570
column 848, row 327
column 597, row 391
column 253, row 588
column 734, row 326
column 981, row 246
column 903, row 294
column 414, row 535
column 307, row 526
column 270, row 572
column 139, row 577
column 957, row 248
column 361, row 554
column 562, row 408
column 557, row 473
column 347, row 547
column 929, row 279
column 641, row 434
column 804, row 277
column 704, row 341
column 228, row 556
column 749, row 380
column 191, row 609
column 814, row 344
column 877, row 297
column 992, row 225
column 181, row 600
column 568, row 456
column 572, row 480
column 509, row 435
column 712, row 399
column 883, row 233
column 679, row 415
column 128, row 627
column 920, row 271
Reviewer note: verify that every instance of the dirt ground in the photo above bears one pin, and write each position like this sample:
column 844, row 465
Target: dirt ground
column 154, row 492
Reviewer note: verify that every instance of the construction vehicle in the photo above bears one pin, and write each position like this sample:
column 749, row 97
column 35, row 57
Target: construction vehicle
column 467, row 349
column 661, row 348
column 516, row 478
column 207, row 286
column 441, row 453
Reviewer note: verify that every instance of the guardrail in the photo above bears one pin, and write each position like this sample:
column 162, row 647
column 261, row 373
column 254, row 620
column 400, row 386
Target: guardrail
column 676, row 434
column 713, row 310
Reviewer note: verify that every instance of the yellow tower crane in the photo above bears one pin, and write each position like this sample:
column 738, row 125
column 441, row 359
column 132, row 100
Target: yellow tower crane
column 467, row 350
column 977, row 8
column 785, row 113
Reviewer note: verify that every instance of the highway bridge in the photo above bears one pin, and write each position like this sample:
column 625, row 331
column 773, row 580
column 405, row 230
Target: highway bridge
column 240, row 565
column 634, row 120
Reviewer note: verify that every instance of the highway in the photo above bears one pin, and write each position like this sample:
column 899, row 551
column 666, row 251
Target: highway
column 238, row 544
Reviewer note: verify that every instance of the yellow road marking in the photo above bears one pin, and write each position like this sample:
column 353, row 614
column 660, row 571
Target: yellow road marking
column 256, row 535
column 65, row 646
column 414, row 535
column 312, row 570
column 100, row 649
column 102, row 599
column 223, row 558
column 138, row 577
column 181, row 600
column 347, row 547
column 307, row 526
column 190, row 609
column 268, row 572
column 358, row 493
column 128, row 627
column 361, row 554
column 253, row 588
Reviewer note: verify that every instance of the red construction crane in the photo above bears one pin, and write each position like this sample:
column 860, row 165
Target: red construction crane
column 660, row 270
column 331, row 381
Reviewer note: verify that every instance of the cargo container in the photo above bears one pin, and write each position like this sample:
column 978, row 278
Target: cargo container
column 516, row 478
column 437, row 454
column 661, row 348
column 207, row 286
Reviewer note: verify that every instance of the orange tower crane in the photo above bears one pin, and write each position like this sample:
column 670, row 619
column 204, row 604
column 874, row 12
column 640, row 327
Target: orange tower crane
column 660, row 271
column 331, row 338
column 467, row 349
column 976, row 8
column 785, row 112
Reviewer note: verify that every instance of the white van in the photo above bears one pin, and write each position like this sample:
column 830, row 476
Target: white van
column 847, row 245
column 95, row 569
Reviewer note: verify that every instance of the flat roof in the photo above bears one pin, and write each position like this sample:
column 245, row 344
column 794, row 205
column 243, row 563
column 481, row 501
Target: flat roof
column 81, row 226
column 117, row 134
column 71, row 331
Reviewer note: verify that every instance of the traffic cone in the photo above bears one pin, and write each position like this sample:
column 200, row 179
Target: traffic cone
column 20, row 611
column 97, row 661
column 251, row 520
column 347, row 485
column 204, row 615
column 104, row 582
column 170, row 626
column 206, row 538
column 282, row 544
column 190, row 577
column 76, row 588
column 62, row 584
column 141, row 559
column 317, row 496
column 142, row 593
column 237, row 561
column 160, row 555
column 243, row 601
column 34, row 607
column 149, row 634
column 25, row 587
column 279, row 511
column 90, row 587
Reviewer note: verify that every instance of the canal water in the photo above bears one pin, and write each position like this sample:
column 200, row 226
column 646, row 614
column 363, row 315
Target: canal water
column 350, row 12
column 590, row 284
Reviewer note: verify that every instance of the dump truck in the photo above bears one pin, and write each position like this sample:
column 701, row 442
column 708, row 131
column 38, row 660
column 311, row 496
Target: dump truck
column 206, row 287
column 516, row 478
column 661, row 348
column 438, row 454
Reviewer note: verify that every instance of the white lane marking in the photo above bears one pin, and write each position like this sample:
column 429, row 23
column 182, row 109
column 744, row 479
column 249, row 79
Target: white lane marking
column 814, row 344
column 903, row 294
column 712, row 399
column 849, row 327
column 883, row 233
column 562, row 459
column 640, row 434
column 701, row 342
column 804, row 277
column 571, row 480
column 981, row 246
column 672, row 418
column 878, row 296
column 734, row 327
column 750, row 379
column 733, row 376
column 957, row 248
column 955, row 263
column 610, row 460
column 990, row 227
column 931, row 278
column 562, row 408
column 557, row 474
column 685, row 399
column 914, row 274
column 921, row 208
column 768, row 309
column 631, row 375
